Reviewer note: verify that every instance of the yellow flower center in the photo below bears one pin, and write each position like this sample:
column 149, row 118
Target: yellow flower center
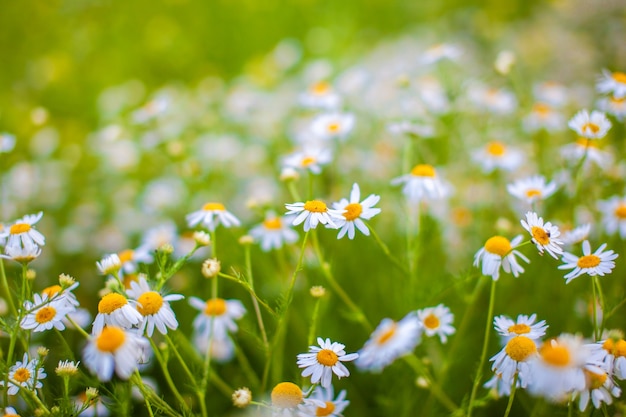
column 18, row 228
column 273, row 223
column 315, row 206
column 45, row 314
column 496, row 148
column 540, row 235
column 325, row 411
column 150, row 303
column 594, row 128
column 586, row 143
column 51, row 291
column 111, row 302
column 308, row 160
column 213, row 207
column 320, row 88
column 423, row 170
column 615, row 348
column 333, row 127
column 594, row 381
column 11, row 415
column 215, row 307
column 286, row 395
column 126, row 255
column 519, row 328
column 588, row 261
column 498, row 245
column 384, row 338
column 554, row 354
column 620, row 211
column 620, row 77
column 533, row 192
column 542, row 109
column 110, row 339
column 617, row 101
column 353, row 211
column 21, row 375
column 520, row 348
column 327, row 357
column 431, row 321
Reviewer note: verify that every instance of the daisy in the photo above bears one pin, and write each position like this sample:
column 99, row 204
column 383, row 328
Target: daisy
column 531, row 189
column 10, row 412
column 96, row 405
column 211, row 215
column 313, row 212
column 586, row 148
column 353, row 212
column 523, row 326
column 422, row 183
column 576, row 235
column 274, row 232
column 217, row 316
column 543, row 116
column 610, row 354
column 25, row 374
column 115, row 310
column 544, row 236
column 61, row 295
column 614, row 215
column 406, row 127
column 332, row 125
column 333, row 407
column 321, row 362
column 160, row 235
column 7, row 142
column 21, row 254
column 437, row 321
column 552, row 93
column 131, row 258
column 154, row 308
column 615, row 106
column 287, row 397
column 23, row 234
column 493, row 100
column 320, row 95
column 439, row 52
column 388, row 342
column 597, row 263
column 114, row 349
column 309, row 158
column 496, row 155
column 515, row 359
column 221, row 348
column 110, row 264
column 43, row 314
column 599, row 387
column 613, row 83
column 590, row 126
column 501, row 387
column 499, row 251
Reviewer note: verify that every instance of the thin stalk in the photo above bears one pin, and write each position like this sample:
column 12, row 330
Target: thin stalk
column 168, row 377
column 594, row 313
column 5, row 287
column 155, row 399
column 511, row 396
column 596, row 281
column 386, row 250
column 435, row 388
column 255, row 303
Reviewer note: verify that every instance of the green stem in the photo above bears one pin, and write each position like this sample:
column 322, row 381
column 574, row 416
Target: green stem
column 596, row 282
column 386, row 250
column 511, row 396
column 5, row 287
column 255, row 303
column 435, row 388
column 147, row 392
column 250, row 290
column 168, row 377
column 78, row 328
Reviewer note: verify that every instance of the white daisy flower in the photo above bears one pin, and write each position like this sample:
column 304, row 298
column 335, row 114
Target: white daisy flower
column 312, row 213
column 354, row 211
column 543, row 116
column 501, row 386
column 131, row 258
column 422, row 183
column 388, row 342
column 587, row 149
column 154, row 308
column 332, row 125
column 24, row 374
column 599, row 387
column 612, row 83
column 217, row 316
column 597, row 263
column 531, row 189
column 22, row 233
column 333, row 407
column 96, row 408
column 44, row 314
column 309, row 158
column 115, row 310
column 437, row 321
column 552, row 93
column 10, row 412
column 114, row 349
column 494, row 100
column 544, row 236
column 287, row 397
column 615, row 106
column 515, row 359
column 500, row 252
column 274, row 232
column 7, row 142
column 439, row 52
column 611, row 355
column 523, row 326
column 576, row 235
column 496, row 155
column 321, row 362
column 110, row 264
column 614, row 215
column 157, row 236
column 222, row 348
column 62, row 295
column 211, row 215
column 590, row 126
column 21, row 254
column 320, row 95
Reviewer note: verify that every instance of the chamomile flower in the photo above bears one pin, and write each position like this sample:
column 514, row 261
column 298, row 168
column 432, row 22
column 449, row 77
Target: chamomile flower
column 597, row 263
column 515, row 359
column 321, row 362
column 599, row 387
column 61, row 295
column 500, row 252
column 212, row 215
column 22, row 232
column 217, row 316
column 10, row 412
column 332, row 407
column 437, row 321
column 308, row 158
column 313, row 212
column 115, row 310
column 576, row 235
column 274, row 232
column 590, row 126
column 543, row 116
column 611, row 354
column 110, row 264
column 332, row 125
column 523, row 326
column 44, row 314
column 615, row 106
column 286, row 399
column 544, row 236
column 354, row 211
column 612, row 83
column 496, row 155
column 320, row 95
column 7, row 142
column 614, row 215
column 114, row 349
column 388, row 342
column 494, row 100
column 589, row 150
column 439, row 52
column 422, row 183
column 131, row 258
column 21, row 254
column 154, row 307
column 532, row 189
column 24, row 374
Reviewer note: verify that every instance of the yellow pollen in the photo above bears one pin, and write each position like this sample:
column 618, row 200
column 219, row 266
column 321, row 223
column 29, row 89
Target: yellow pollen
column 286, row 395
column 520, row 348
column 423, row 170
column 496, row 148
column 333, row 127
column 150, row 303
column 519, row 328
column 320, row 88
column 431, row 321
column 308, row 160
column 586, row 143
column 327, row 357
column 594, row 128
column 555, row 355
column 126, row 255
column 618, row 101
column 52, row 290
column 533, row 192
column 326, row 411
column 540, row 235
column 620, row 77
column 45, row 314
column 273, row 224
column 542, row 109
column 315, row 206
column 111, row 302
column 215, row 307
column 353, row 211
column 594, row 381
column 21, row 375
column 498, row 245
column 213, row 207
column 616, row 349
column 110, row 339
column 384, row 338
column 18, row 228
column 620, row 211
column 588, row 261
